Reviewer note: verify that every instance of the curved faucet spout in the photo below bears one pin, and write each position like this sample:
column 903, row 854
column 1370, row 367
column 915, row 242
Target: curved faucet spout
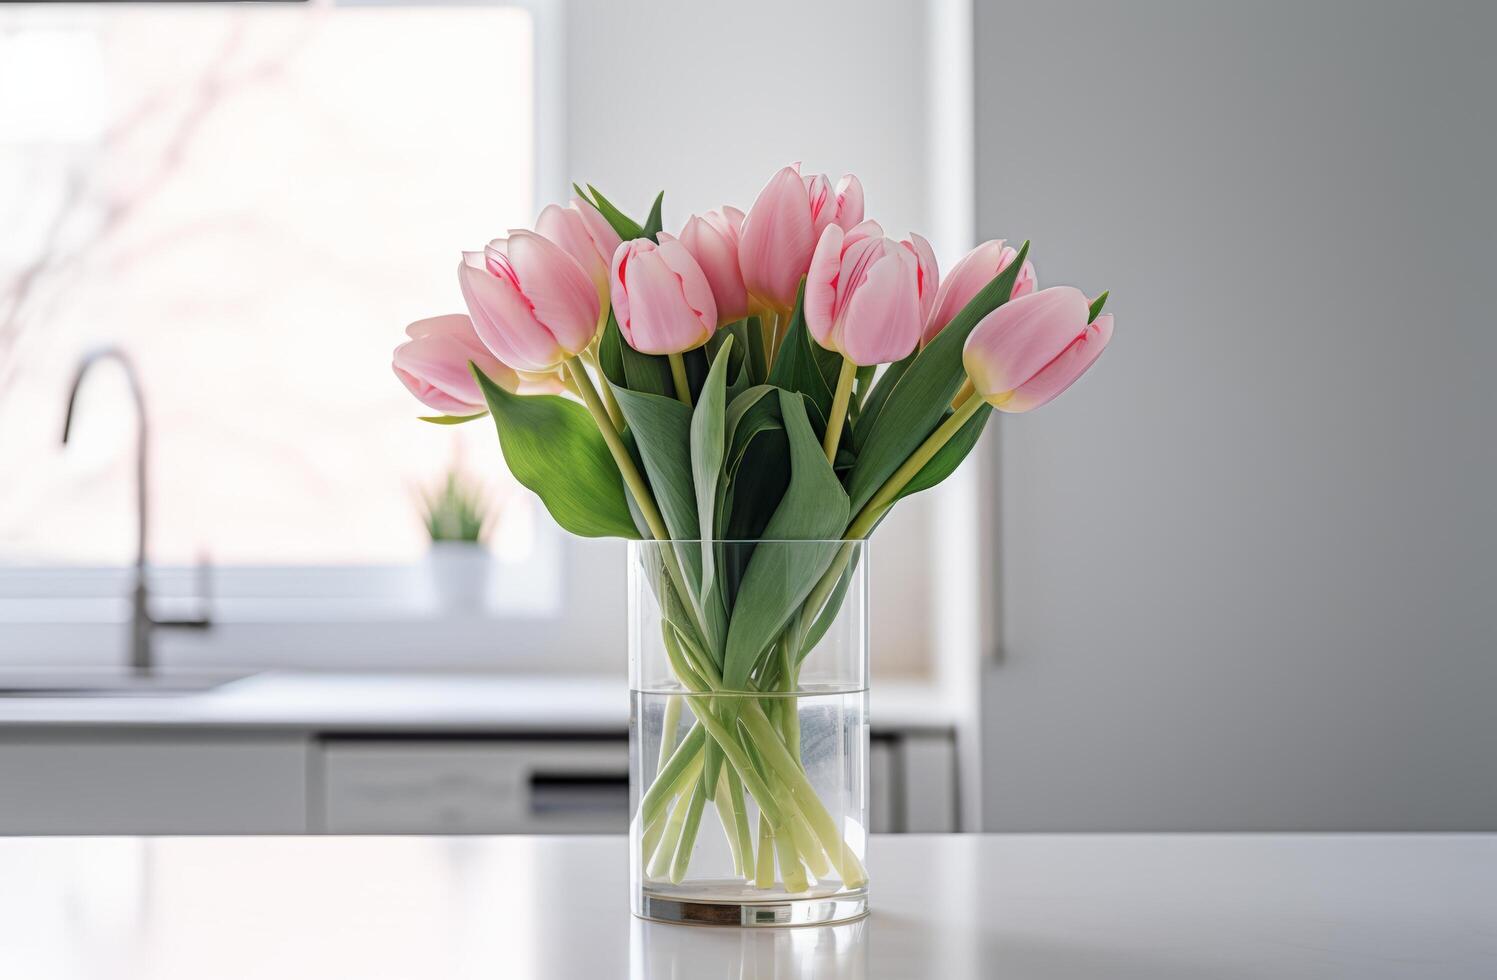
column 140, row 623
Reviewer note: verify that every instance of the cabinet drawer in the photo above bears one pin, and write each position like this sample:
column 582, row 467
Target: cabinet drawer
column 474, row 787
column 113, row 783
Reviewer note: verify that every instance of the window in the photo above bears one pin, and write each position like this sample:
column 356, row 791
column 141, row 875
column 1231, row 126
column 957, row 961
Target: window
column 252, row 201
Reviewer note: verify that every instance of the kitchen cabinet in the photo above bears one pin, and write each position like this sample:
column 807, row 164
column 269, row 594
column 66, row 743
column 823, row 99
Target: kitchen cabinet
column 367, row 754
column 152, row 783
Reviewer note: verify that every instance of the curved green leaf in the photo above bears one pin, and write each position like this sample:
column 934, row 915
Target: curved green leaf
column 653, row 224
column 626, row 226
column 451, row 419
column 949, row 456
column 795, row 550
column 662, row 431
column 553, row 447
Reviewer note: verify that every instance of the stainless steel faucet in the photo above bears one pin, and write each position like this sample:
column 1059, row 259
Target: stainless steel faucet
column 142, row 623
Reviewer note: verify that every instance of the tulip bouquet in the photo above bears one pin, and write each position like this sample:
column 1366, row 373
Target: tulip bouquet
column 780, row 376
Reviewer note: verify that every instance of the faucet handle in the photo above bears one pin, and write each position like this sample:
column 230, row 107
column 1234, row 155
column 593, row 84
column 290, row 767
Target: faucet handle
column 203, row 580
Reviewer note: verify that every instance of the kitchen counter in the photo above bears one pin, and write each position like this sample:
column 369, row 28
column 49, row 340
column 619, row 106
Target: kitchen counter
column 469, row 703
column 1136, row 906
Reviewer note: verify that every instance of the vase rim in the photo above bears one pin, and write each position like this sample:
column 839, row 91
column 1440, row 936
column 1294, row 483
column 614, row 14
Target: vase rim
column 645, row 542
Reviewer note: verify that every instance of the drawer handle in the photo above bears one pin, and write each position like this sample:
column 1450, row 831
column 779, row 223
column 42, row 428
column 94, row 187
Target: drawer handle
column 591, row 793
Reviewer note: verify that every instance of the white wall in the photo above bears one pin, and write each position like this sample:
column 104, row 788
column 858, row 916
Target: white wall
column 1248, row 564
column 706, row 100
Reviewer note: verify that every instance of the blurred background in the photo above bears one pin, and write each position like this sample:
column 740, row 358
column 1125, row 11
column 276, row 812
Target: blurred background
column 1239, row 579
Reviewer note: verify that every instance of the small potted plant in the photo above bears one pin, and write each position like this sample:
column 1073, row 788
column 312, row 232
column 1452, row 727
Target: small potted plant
column 456, row 516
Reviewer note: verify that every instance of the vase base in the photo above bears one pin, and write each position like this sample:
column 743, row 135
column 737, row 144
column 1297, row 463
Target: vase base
column 815, row 911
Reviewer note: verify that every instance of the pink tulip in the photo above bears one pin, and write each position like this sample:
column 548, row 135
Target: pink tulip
column 661, row 297
column 585, row 235
column 975, row 270
column 433, row 364
column 863, row 294
column 1032, row 348
column 782, row 229
column 533, row 305
column 712, row 239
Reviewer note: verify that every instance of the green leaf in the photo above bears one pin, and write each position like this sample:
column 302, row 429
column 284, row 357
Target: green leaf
column 707, row 453
column 748, row 415
column 708, row 422
column 450, row 419
column 796, row 365
column 795, row 551
column 753, row 348
column 828, row 613
column 653, row 224
column 553, row 447
column 738, row 375
column 640, row 372
column 662, row 430
column 923, row 391
column 873, row 402
column 626, row 226
column 1096, row 307
column 863, row 382
column 949, row 456
column 611, row 353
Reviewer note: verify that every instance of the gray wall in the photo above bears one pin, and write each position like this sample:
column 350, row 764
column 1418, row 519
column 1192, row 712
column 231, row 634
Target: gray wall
column 1248, row 566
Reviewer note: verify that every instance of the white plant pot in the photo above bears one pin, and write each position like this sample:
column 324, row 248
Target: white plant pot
column 459, row 573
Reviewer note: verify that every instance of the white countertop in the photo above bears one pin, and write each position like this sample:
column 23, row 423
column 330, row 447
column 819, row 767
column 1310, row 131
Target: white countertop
column 1152, row 907
column 487, row 703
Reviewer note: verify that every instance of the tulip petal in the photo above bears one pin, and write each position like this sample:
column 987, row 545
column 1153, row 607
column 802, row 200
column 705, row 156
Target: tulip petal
column 504, row 322
column 433, row 365
column 776, row 241
column 557, row 288
column 882, row 320
column 695, row 290
column 930, row 275
column 1018, row 339
column 820, row 304
column 849, row 202
column 1064, row 370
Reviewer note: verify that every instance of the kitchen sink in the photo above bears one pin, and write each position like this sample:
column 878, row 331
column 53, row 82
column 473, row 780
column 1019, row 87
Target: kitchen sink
column 94, row 683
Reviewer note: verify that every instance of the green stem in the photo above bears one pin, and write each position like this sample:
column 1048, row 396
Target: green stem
column 726, row 816
column 660, row 864
column 845, row 379
column 740, row 818
column 650, row 840
column 668, row 727
column 615, row 414
column 688, row 838
column 764, row 870
column 791, row 872
column 889, row 492
column 678, row 375
column 621, row 458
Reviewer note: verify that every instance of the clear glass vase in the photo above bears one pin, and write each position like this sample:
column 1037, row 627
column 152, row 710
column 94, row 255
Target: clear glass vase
column 748, row 669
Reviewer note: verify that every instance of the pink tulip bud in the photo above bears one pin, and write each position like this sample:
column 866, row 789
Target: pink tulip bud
column 863, row 294
column 433, row 364
column 585, row 235
column 975, row 270
column 661, row 297
column 712, row 239
column 1033, row 348
column 533, row 305
column 783, row 226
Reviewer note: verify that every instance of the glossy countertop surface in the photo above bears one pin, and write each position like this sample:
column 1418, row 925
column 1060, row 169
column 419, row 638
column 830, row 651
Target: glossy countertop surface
column 1031, row 906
